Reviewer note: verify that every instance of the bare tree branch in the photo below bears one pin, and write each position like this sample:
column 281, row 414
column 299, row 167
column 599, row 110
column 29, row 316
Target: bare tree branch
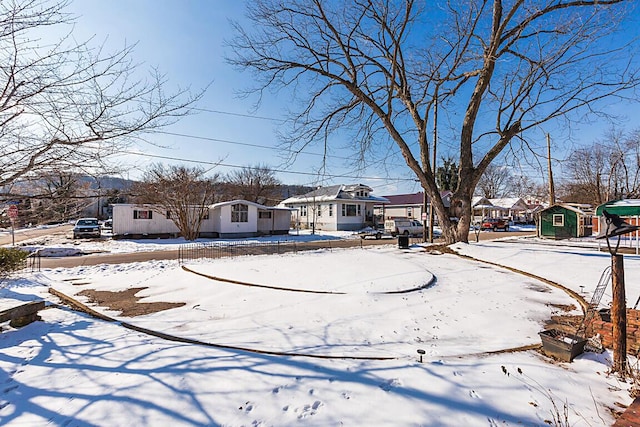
column 64, row 104
column 377, row 68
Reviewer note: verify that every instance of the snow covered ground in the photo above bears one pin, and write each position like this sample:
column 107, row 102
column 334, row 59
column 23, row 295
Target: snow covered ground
column 352, row 350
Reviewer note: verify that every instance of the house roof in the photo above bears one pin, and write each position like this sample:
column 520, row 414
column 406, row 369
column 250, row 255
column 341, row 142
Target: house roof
column 406, row 199
column 572, row 207
column 481, row 202
column 246, row 202
column 336, row 192
column 414, row 199
column 509, row 203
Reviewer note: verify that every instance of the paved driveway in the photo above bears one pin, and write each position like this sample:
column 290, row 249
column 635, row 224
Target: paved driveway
column 31, row 233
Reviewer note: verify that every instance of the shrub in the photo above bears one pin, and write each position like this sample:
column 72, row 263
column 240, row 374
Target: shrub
column 11, row 260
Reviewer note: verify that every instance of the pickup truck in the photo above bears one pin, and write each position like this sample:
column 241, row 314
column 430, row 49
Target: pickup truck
column 406, row 227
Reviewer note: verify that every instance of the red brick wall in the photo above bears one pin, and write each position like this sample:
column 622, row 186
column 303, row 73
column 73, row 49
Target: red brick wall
column 605, row 329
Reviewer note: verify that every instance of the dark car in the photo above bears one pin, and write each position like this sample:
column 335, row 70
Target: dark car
column 86, row 227
column 494, row 224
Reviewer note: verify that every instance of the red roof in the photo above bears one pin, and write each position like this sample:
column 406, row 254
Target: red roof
column 406, row 199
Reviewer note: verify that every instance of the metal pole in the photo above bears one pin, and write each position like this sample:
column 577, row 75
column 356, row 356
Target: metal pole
column 423, row 214
column 13, row 237
column 619, row 315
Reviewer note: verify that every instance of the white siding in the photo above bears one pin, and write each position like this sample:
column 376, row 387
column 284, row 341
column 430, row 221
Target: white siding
column 279, row 223
column 233, row 228
column 124, row 222
column 218, row 223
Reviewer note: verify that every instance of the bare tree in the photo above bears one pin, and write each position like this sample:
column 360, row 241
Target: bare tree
column 254, row 183
column 380, row 68
column 587, row 168
column 183, row 194
column 496, row 181
column 64, row 103
column 60, row 196
column 606, row 170
column 528, row 189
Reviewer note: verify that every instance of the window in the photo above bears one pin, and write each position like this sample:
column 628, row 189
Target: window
column 409, row 212
column 168, row 215
column 264, row 214
column 558, row 220
column 239, row 212
column 319, row 210
column 349, row 210
column 303, row 210
column 142, row 214
column 206, row 214
column 359, row 211
column 330, row 209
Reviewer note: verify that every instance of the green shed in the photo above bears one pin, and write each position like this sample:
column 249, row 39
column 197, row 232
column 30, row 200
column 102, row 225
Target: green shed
column 563, row 221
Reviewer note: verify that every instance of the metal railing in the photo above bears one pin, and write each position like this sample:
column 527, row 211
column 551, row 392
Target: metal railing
column 215, row 250
column 33, row 261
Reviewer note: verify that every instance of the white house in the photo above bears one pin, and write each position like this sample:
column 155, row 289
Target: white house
column 233, row 219
column 515, row 208
column 334, row 208
column 482, row 207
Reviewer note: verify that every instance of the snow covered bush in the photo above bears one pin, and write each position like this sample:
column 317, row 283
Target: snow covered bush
column 11, row 260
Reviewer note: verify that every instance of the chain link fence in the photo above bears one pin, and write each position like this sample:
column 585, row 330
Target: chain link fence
column 214, row 250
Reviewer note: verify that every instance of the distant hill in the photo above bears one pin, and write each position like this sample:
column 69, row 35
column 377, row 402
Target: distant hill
column 32, row 187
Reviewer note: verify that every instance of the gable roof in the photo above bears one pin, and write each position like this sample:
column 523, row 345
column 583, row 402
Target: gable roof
column 577, row 208
column 480, row 201
column 509, row 202
column 335, row 192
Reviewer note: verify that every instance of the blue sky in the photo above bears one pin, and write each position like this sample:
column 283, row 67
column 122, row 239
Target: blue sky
column 185, row 40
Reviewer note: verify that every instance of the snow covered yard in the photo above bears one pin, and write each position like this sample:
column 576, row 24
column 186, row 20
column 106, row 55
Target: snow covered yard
column 75, row 370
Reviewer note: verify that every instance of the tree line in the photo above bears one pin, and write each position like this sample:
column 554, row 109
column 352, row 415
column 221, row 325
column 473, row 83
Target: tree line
column 62, row 196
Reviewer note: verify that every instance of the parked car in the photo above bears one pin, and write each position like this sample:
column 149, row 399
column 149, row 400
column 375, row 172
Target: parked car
column 86, row 227
column 405, row 227
column 376, row 232
column 495, row 224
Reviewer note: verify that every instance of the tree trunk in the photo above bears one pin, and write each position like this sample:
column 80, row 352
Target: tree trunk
column 619, row 315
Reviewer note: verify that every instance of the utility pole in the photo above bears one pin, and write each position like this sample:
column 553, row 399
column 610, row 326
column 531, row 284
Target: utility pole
column 435, row 142
column 552, row 191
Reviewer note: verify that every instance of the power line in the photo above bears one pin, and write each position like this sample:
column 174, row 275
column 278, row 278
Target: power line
column 210, row 163
column 228, row 113
column 534, row 173
column 266, row 147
